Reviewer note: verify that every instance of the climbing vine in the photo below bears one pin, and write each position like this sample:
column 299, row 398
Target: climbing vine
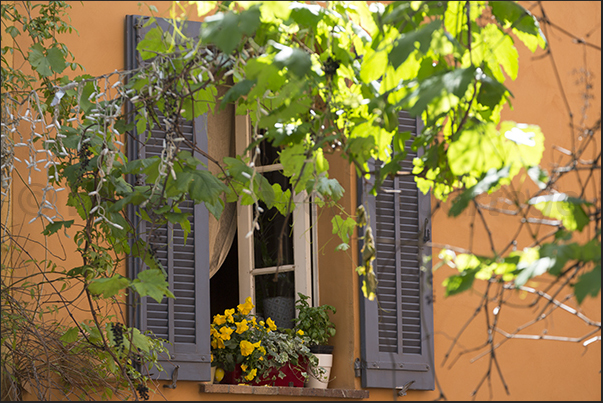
column 314, row 80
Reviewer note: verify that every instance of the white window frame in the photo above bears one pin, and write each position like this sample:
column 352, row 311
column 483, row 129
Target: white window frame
column 303, row 264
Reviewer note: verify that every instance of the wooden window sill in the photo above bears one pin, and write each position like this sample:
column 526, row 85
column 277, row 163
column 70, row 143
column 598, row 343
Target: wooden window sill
column 283, row 391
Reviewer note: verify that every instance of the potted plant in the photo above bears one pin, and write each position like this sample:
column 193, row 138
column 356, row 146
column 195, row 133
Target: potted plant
column 317, row 328
column 255, row 352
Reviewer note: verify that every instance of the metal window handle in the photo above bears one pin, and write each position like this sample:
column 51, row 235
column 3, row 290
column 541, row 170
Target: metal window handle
column 174, row 378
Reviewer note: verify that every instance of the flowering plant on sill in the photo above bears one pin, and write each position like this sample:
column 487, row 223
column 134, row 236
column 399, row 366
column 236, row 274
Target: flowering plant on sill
column 258, row 348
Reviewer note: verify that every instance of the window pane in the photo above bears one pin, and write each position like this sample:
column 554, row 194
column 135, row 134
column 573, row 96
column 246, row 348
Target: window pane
column 268, row 153
column 266, row 239
column 276, row 299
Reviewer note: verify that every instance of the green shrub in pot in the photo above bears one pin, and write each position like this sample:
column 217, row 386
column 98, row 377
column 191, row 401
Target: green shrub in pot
column 315, row 324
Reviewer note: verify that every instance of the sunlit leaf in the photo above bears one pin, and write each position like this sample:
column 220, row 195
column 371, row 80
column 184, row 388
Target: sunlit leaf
column 562, row 207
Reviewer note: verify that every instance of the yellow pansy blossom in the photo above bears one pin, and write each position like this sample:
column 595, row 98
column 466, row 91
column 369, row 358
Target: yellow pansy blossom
column 244, row 367
column 300, row 332
column 219, row 319
column 251, row 374
column 246, row 348
column 225, row 332
column 271, row 324
column 228, row 313
column 242, row 326
column 246, row 307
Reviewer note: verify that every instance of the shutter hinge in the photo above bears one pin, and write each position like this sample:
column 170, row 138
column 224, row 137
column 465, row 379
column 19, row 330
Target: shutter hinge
column 357, row 368
column 426, row 232
column 174, row 378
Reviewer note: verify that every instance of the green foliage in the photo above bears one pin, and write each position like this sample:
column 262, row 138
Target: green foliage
column 314, row 321
column 315, row 81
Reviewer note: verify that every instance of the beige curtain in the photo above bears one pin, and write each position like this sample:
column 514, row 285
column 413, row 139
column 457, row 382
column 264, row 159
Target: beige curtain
column 221, row 143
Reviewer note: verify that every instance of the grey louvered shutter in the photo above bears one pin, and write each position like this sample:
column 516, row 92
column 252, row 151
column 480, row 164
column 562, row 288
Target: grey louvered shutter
column 184, row 321
column 397, row 327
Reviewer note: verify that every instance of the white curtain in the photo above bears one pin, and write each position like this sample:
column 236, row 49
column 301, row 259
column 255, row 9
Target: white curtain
column 221, row 143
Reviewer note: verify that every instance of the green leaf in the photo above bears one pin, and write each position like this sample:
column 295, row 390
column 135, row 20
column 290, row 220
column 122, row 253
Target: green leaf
column 108, row 286
column 306, row 15
column 249, row 20
column 328, row 188
column 478, row 148
column 152, row 44
column 56, row 60
column 343, row 228
column 295, row 59
column 70, row 335
column 38, row 61
column 460, row 282
column 236, row 91
column 57, row 225
column 562, row 207
column 215, row 208
column 151, row 282
column 588, row 283
column 282, row 199
column 222, row 29
column 526, row 143
column 205, row 187
column 140, row 340
column 491, row 92
column 406, row 43
column 490, row 181
column 523, row 23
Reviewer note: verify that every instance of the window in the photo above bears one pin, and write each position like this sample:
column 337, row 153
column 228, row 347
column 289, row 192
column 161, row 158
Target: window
column 397, row 327
column 258, row 254
column 185, row 321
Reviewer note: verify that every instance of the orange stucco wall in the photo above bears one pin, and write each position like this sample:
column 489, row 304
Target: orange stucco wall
column 533, row 370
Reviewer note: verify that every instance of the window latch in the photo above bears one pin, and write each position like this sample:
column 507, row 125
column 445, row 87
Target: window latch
column 402, row 390
column 426, row 233
column 174, row 378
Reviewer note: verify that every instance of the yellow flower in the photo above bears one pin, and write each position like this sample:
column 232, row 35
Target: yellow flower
column 246, row 348
column 241, row 326
column 225, row 332
column 263, row 351
column 228, row 313
column 261, row 323
column 212, row 358
column 244, row 367
column 219, row 343
column 270, row 324
column 251, row 374
column 261, row 358
column 300, row 332
column 257, row 344
column 254, row 321
column 219, row 319
column 246, row 307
